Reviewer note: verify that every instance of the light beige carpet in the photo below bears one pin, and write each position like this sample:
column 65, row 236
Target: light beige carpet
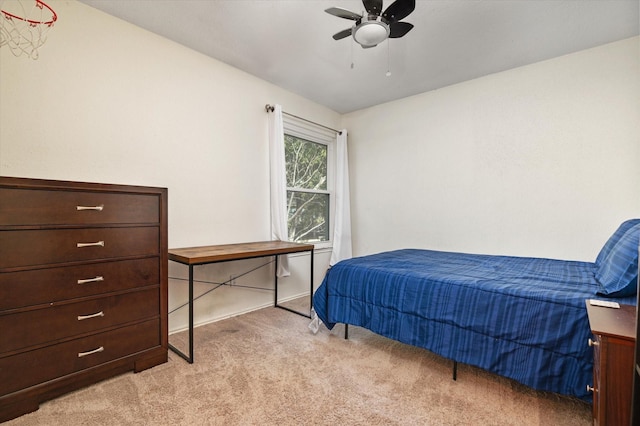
column 267, row 368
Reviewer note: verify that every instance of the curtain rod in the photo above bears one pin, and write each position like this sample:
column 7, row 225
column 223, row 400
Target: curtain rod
column 270, row 108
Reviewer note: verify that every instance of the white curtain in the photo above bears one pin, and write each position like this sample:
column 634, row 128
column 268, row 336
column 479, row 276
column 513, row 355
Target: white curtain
column 342, row 226
column 279, row 230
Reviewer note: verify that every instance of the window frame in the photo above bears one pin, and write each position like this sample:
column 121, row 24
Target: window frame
column 302, row 129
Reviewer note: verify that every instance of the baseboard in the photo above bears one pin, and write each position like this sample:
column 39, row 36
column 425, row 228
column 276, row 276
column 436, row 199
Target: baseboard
column 238, row 313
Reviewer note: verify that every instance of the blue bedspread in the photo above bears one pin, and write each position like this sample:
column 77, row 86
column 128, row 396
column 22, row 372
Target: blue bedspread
column 522, row 318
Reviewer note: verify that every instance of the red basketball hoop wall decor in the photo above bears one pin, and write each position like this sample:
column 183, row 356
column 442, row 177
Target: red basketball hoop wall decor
column 24, row 25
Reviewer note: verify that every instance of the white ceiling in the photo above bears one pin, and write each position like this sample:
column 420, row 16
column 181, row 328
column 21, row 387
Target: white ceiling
column 289, row 43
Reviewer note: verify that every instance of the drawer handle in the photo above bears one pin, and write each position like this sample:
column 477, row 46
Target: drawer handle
column 98, row 208
column 98, row 243
column 95, row 351
column 593, row 343
column 84, row 317
column 91, row 280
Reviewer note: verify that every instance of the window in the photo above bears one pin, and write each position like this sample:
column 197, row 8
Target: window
column 309, row 157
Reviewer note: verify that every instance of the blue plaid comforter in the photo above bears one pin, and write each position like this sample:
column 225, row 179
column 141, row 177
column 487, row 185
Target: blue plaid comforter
column 522, row 318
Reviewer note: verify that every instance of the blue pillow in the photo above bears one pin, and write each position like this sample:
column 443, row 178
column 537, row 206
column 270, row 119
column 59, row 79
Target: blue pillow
column 618, row 271
column 614, row 238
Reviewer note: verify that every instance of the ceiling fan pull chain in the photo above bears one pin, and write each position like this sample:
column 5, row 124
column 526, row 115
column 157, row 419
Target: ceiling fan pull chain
column 388, row 74
column 351, row 44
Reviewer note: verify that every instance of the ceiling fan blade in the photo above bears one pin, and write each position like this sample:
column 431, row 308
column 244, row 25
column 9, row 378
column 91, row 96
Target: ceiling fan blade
column 373, row 6
column 343, row 13
column 398, row 29
column 398, row 10
column 342, row 34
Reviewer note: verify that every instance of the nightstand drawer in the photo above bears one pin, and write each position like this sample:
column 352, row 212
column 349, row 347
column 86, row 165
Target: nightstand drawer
column 46, row 247
column 48, row 207
column 51, row 324
column 34, row 367
column 38, row 286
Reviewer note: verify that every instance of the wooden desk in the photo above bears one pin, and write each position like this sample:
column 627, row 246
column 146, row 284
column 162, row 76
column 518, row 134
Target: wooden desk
column 192, row 256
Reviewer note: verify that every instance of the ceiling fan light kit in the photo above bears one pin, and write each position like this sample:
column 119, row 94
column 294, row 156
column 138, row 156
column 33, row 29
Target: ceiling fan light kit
column 372, row 27
column 370, row 33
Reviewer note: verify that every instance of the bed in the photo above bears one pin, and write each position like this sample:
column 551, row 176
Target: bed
column 519, row 317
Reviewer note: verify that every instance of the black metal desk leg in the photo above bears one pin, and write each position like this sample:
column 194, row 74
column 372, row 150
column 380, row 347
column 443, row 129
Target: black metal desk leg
column 275, row 303
column 275, row 297
column 188, row 358
column 190, row 314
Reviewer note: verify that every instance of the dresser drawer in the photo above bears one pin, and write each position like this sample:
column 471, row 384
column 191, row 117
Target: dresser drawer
column 34, row 367
column 50, row 324
column 38, row 286
column 50, row 246
column 50, row 207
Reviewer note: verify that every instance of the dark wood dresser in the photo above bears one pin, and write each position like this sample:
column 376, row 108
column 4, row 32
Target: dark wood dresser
column 613, row 347
column 83, row 286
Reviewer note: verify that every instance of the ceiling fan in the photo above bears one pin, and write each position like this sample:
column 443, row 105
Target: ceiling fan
column 374, row 26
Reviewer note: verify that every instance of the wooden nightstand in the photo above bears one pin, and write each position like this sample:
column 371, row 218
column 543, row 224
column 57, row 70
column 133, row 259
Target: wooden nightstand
column 613, row 351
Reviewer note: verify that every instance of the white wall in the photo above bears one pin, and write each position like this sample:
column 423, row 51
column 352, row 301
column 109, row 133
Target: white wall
column 109, row 102
column 542, row 160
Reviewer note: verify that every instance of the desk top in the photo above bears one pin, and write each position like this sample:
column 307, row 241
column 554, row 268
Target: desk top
column 221, row 253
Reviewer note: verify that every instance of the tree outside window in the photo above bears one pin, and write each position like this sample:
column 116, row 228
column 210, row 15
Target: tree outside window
column 307, row 193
